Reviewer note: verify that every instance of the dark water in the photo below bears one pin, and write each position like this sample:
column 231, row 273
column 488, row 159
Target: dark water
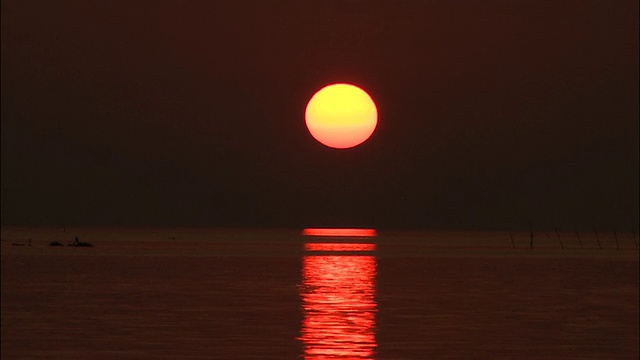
column 197, row 294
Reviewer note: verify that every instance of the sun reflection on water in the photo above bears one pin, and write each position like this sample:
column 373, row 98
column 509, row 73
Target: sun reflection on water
column 340, row 232
column 338, row 298
column 338, row 247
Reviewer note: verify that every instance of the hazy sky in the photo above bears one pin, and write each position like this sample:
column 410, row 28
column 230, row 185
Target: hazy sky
column 192, row 113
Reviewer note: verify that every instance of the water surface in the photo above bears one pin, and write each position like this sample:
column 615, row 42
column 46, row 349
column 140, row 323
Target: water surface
column 270, row 294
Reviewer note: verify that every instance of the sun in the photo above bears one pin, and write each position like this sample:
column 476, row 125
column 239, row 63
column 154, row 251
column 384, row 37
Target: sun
column 341, row 116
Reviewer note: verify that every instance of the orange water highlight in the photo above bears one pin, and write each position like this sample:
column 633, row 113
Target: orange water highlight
column 338, row 299
column 346, row 232
column 339, row 247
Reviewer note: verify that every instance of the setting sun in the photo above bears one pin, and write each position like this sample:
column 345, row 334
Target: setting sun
column 341, row 116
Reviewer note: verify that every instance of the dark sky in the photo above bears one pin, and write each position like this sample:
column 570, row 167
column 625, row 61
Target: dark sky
column 191, row 113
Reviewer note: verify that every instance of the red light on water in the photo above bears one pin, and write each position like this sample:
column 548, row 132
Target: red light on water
column 339, row 247
column 338, row 298
column 346, row 232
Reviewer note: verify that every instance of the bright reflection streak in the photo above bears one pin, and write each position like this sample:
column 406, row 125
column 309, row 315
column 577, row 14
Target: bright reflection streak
column 339, row 232
column 338, row 247
column 338, row 298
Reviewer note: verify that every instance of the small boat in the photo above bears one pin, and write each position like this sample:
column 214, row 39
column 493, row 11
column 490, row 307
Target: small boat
column 78, row 243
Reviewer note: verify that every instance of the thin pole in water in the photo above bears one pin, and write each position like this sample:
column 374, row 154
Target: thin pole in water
column 597, row 239
column 633, row 231
column 513, row 244
column 559, row 239
column 616, row 236
column 579, row 240
column 531, row 231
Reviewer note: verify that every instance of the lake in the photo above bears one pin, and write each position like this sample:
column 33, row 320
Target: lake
column 162, row 293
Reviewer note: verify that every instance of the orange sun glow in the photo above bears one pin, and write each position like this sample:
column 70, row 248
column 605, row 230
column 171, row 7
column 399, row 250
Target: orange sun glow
column 341, row 116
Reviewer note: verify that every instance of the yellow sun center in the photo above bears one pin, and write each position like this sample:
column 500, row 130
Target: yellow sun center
column 341, row 116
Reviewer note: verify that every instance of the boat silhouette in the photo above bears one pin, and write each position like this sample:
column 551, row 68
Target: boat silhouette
column 78, row 243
